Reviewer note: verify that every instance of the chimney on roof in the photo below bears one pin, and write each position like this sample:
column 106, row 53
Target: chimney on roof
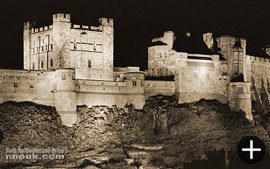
column 168, row 38
column 208, row 40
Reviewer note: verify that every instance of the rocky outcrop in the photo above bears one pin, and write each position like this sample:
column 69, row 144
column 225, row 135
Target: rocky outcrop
column 165, row 134
column 26, row 124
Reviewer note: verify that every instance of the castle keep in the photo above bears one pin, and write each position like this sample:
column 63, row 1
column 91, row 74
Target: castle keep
column 66, row 65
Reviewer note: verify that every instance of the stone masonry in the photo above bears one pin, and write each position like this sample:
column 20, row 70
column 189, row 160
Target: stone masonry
column 66, row 65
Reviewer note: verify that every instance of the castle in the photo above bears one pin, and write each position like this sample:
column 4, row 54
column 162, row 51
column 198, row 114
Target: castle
column 66, row 65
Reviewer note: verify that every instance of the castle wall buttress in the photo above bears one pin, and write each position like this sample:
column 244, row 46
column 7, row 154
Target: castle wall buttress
column 65, row 95
column 135, row 89
column 239, row 98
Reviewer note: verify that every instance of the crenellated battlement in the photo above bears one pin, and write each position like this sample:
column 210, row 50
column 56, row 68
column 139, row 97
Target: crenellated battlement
column 41, row 29
column 28, row 25
column 106, row 21
column 259, row 59
column 86, row 27
column 61, row 17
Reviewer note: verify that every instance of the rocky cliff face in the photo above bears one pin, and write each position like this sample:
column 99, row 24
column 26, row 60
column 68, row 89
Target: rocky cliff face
column 260, row 99
column 163, row 135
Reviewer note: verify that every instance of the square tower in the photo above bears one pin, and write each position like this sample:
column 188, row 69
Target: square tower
column 87, row 49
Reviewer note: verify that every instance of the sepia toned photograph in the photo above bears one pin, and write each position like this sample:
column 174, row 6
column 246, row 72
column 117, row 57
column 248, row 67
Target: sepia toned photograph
column 122, row 84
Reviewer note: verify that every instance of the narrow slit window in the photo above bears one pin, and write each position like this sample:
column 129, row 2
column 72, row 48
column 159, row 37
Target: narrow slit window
column 89, row 64
column 54, row 86
column 63, row 77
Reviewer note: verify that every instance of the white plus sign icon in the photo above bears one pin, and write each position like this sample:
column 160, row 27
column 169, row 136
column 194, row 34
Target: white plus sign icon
column 251, row 149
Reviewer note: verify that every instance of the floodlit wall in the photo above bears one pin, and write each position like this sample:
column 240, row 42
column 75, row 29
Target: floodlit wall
column 154, row 87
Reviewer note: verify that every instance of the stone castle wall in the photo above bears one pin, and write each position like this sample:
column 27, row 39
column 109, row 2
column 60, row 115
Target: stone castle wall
column 226, row 44
column 19, row 85
column 108, row 93
column 206, row 76
column 59, row 88
column 239, row 98
column 77, row 69
column 87, row 49
column 155, row 87
column 201, row 79
column 41, row 49
column 258, row 70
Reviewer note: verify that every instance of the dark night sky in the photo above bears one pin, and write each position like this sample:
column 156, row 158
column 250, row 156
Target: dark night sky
column 136, row 22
